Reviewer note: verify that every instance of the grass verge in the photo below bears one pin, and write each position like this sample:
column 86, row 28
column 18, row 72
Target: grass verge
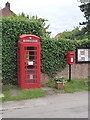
column 72, row 86
column 21, row 94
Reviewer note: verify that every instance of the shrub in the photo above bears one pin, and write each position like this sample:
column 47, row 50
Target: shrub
column 53, row 52
column 12, row 27
column 59, row 79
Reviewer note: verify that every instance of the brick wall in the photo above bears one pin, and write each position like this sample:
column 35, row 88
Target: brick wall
column 79, row 71
column 44, row 78
column 89, row 70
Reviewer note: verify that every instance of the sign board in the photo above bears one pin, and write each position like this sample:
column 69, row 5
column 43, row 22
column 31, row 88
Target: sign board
column 29, row 40
column 83, row 55
column 31, row 76
column 71, row 59
column 30, row 62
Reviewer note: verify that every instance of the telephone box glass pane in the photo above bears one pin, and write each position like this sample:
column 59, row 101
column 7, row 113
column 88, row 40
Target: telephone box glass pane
column 31, row 53
column 30, row 67
column 30, row 48
column 30, row 56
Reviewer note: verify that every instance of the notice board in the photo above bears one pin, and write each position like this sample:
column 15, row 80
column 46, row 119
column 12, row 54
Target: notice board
column 83, row 55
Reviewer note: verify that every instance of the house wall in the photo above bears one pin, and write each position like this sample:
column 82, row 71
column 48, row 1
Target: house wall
column 6, row 12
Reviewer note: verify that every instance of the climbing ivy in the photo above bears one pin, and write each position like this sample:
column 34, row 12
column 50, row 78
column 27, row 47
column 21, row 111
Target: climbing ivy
column 53, row 52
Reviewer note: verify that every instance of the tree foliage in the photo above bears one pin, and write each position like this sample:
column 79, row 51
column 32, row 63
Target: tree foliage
column 75, row 34
column 85, row 8
column 40, row 20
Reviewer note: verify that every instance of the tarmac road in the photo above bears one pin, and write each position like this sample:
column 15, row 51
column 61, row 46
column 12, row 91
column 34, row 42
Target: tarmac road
column 71, row 105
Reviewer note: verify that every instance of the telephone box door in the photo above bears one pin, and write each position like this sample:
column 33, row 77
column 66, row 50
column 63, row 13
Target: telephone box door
column 31, row 63
column 32, row 66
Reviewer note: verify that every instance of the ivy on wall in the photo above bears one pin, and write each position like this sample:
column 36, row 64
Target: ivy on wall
column 53, row 52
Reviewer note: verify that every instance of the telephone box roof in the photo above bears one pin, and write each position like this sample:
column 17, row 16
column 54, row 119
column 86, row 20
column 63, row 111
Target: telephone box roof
column 28, row 35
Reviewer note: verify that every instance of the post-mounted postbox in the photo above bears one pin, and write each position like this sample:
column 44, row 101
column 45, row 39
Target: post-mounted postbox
column 70, row 60
column 70, row 57
column 28, row 61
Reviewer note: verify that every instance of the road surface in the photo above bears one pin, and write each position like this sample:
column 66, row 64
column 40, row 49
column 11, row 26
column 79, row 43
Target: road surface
column 69, row 105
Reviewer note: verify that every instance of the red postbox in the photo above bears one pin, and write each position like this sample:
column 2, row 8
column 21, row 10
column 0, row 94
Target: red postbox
column 28, row 61
column 70, row 57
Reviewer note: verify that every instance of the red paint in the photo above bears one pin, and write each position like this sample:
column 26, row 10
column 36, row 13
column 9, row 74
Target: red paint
column 28, row 61
column 70, row 57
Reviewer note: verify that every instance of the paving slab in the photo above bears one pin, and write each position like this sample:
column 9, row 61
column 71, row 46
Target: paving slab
column 13, row 92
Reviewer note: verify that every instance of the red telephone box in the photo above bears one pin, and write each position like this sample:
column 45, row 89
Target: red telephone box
column 70, row 57
column 28, row 61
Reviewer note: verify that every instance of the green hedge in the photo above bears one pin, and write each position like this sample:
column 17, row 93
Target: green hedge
column 12, row 27
column 0, row 43
column 53, row 52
